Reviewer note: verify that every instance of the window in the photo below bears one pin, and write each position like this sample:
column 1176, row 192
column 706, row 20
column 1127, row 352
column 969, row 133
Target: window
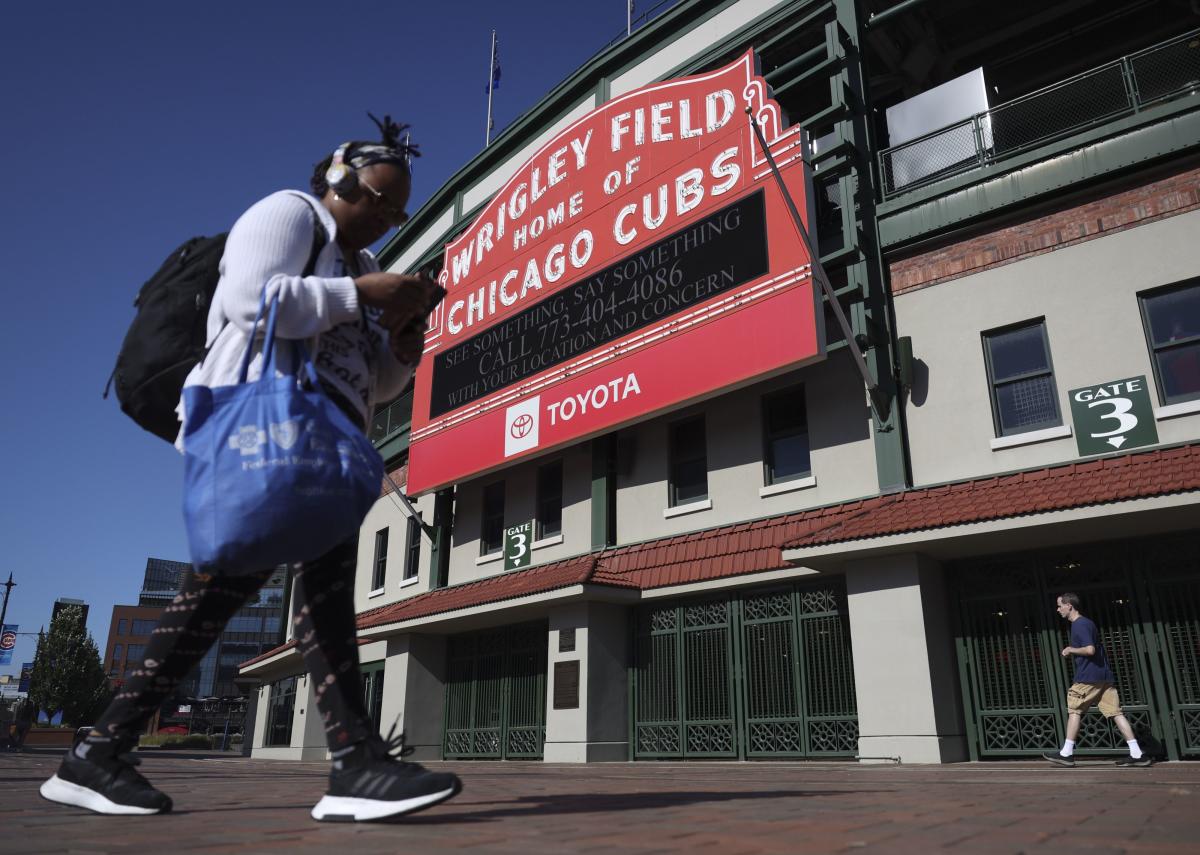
column 143, row 627
column 491, row 534
column 1171, row 317
column 379, row 574
column 688, row 469
column 549, row 500
column 118, row 653
column 137, row 653
column 122, row 625
column 279, row 712
column 785, row 435
column 1024, row 397
column 412, row 558
column 373, row 692
column 245, row 623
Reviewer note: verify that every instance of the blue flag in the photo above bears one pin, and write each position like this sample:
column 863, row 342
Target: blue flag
column 8, row 640
column 495, row 69
column 26, row 674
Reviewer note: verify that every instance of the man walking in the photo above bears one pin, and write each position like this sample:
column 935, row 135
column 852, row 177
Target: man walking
column 1093, row 685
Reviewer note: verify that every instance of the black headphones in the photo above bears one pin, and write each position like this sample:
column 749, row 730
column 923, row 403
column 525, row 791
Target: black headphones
column 341, row 176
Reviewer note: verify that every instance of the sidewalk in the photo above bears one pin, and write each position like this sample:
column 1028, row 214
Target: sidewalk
column 239, row 805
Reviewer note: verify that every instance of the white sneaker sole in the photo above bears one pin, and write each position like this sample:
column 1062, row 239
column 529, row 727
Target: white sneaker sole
column 66, row 793
column 347, row 809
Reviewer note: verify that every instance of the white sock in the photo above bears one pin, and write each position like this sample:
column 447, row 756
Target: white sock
column 1135, row 750
column 1068, row 748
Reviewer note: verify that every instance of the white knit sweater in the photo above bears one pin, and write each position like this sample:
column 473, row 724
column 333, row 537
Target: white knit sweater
column 269, row 247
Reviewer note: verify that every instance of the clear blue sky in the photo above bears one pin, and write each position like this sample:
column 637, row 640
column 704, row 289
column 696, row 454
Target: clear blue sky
column 130, row 126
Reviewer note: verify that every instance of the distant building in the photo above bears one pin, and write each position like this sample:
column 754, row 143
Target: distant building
column 162, row 581
column 65, row 602
column 257, row 627
column 128, row 635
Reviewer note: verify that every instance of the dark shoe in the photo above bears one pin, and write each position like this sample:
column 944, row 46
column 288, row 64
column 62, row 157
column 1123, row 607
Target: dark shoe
column 1058, row 760
column 1129, row 760
column 373, row 783
column 103, row 780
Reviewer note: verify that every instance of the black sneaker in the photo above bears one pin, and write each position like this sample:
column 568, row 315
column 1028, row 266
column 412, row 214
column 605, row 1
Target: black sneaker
column 1130, row 760
column 101, row 778
column 371, row 783
column 1058, row 760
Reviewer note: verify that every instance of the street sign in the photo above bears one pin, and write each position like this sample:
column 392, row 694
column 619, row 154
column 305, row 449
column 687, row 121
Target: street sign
column 516, row 546
column 1112, row 416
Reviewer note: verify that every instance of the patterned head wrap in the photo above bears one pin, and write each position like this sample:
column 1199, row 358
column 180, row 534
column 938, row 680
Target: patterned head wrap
column 359, row 154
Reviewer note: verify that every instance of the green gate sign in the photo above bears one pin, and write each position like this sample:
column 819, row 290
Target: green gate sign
column 1114, row 415
column 516, row 546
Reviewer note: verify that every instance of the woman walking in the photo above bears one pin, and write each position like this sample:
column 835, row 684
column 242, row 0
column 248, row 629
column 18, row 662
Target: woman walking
column 365, row 331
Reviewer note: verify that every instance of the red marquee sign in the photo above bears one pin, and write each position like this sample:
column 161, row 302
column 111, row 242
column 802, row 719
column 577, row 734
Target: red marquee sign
column 643, row 258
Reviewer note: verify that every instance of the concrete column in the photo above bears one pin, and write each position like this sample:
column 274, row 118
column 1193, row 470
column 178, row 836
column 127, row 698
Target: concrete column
column 261, row 698
column 308, row 729
column 904, row 671
column 414, row 692
column 598, row 728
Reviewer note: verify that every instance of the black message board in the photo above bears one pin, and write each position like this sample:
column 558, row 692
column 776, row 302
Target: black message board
column 709, row 257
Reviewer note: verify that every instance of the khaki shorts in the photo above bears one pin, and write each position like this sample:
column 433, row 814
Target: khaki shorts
column 1081, row 696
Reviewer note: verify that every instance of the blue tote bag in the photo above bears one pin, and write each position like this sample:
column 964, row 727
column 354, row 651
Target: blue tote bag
column 274, row 472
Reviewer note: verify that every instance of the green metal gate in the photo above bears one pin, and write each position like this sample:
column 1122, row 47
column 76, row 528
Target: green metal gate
column 496, row 694
column 1144, row 596
column 758, row 674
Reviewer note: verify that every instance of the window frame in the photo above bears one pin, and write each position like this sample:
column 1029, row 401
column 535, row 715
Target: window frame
column 1153, row 351
column 673, row 463
column 541, row 498
column 769, row 479
column 379, row 563
column 985, row 337
column 280, row 697
column 412, row 550
column 372, row 680
column 122, row 626
column 487, row 516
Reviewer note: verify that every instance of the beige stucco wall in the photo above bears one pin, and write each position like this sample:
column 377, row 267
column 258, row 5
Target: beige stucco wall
column 1088, row 296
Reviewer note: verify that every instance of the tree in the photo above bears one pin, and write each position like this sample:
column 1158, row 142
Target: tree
column 67, row 673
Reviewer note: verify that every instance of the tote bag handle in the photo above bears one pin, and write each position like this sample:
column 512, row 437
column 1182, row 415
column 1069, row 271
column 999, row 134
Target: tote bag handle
column 268, row 368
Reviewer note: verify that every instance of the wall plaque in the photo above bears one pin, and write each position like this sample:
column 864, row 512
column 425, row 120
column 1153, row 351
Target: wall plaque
column 566, row 685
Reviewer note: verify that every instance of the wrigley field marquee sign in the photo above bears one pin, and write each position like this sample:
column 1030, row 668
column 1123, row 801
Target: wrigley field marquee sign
column 641, row 259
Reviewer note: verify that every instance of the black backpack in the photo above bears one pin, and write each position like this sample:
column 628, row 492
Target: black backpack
column 167, row 336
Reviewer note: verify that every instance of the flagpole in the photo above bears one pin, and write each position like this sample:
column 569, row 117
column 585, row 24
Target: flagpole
column 878, row 399
column 487, row 138
column 628, row 17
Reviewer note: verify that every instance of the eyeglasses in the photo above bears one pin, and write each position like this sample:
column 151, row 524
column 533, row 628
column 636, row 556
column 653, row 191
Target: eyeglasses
column 394, row 214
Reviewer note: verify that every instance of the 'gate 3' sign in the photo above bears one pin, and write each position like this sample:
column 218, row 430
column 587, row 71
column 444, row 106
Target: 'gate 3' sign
column 641, row 259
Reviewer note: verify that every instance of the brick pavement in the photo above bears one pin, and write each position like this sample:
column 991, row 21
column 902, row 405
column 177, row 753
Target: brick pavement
column 239, row 805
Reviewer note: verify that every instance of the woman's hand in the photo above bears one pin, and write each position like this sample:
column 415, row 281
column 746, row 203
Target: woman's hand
column 407, row 342
column 402, row 297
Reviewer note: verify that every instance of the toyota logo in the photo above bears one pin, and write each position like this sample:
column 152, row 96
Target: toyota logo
column 521, row 426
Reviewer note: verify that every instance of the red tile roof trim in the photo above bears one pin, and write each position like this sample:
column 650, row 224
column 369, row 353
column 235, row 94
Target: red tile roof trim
column 280, row 649
column 1159, row 472
column 757, row 546
column 492, row 589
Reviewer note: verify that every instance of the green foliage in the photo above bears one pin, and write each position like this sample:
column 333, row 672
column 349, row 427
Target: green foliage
column 67, row 672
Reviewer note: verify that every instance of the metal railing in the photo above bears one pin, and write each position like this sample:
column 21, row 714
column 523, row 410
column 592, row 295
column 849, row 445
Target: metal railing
column 392, row 419
column 1163, row 72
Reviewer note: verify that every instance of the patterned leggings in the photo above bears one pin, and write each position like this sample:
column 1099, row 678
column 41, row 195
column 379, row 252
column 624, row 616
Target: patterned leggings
column 323, row 628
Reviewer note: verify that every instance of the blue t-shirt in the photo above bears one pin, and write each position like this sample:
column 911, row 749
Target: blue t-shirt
column 1094, row 668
